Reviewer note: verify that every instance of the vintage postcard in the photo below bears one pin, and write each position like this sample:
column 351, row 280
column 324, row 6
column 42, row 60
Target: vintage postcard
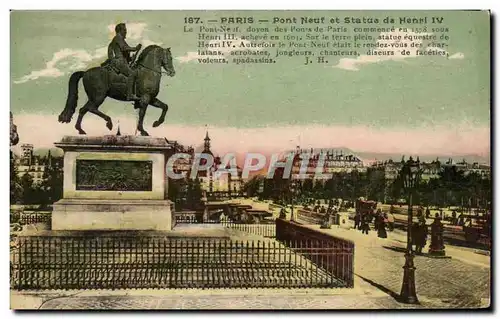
column 250, row 160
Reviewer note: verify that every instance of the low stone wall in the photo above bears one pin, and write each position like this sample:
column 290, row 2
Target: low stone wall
column 275, row 206
column 334, row 254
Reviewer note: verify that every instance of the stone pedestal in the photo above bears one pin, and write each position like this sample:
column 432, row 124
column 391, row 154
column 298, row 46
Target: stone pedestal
column 436, row 248
column 92, row 214
column 114, row 183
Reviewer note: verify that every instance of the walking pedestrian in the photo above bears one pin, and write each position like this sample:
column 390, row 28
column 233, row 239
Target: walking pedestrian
column 365, row 226
column 381, row 232
column 415, row 233
column 282, row 214
column 421, row 239
column 357, row 221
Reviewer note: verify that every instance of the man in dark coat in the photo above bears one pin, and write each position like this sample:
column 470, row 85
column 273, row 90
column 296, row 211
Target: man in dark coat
column 381, row 232
column 357, row 221
column 282, row 214
column 365, row 226
column 421, row 236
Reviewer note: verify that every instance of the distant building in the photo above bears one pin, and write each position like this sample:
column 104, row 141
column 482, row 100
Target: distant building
column 432, row 169
column 184, row 164
column 482, row 170
column 36, row 165
column 335, row 161
column 389, row 168
column 213, row 180
column 26, row 154
column 227, row 182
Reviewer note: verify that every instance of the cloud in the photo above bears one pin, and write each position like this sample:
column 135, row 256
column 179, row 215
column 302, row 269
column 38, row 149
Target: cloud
column 218, row 45
column 68, row 60
column 389, row 48
column 190, row 56
column 47, row 72
column 458, row 55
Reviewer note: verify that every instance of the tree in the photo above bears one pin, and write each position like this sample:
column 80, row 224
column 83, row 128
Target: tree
column 451, row 184
column 375, row 186
column 15, row 183
column 279, row 186
column 318, row 189
column 253, row 185
column 51, row 188
column 194, row 193
column 396, row 189
column 267, row 192
column 177, row 191
column 27, row 189
column 307, row 186
column 197, row 192
column 14, row 136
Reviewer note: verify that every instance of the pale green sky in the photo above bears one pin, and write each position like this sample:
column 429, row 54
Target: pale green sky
column 416, row 92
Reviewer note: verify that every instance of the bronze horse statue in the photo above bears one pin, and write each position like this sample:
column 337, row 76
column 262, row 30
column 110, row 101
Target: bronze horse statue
column 101, row 82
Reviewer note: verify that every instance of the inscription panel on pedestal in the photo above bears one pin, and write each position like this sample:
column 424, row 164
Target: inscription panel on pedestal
column 114, row 175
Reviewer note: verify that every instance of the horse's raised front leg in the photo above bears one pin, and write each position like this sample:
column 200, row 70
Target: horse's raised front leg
column 164, row 108
column 143, row 105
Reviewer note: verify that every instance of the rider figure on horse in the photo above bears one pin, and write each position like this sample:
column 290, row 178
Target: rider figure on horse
column 119, row 58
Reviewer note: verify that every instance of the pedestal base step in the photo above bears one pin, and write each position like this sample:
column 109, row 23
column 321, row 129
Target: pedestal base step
column 79, row 214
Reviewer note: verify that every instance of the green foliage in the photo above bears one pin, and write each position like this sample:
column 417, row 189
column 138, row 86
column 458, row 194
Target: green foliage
column 51, row 188
column 254, row 186
column 28, row 189
column 186, row 193
column 451, row 188
column 197, row 192
column 23, row 190
column 16, row 190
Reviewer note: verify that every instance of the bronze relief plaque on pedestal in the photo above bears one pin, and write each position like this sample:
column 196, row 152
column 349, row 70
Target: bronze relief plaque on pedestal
column 114, row 175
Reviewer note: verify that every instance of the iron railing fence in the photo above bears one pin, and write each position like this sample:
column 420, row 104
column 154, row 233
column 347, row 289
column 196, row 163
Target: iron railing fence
column 191, row 219
column 264, row 230
column 26, row 218
column 158, row 262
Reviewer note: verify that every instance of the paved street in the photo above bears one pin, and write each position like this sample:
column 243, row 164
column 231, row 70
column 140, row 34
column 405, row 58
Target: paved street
column 460, row 281
column 255, row 302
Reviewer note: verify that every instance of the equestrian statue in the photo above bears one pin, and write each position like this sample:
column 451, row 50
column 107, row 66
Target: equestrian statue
column 121, row 77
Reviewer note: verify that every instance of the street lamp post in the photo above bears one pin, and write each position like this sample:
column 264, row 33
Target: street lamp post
column 410, row 173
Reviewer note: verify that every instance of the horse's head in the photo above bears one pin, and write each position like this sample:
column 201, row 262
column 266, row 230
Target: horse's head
column 167, row 62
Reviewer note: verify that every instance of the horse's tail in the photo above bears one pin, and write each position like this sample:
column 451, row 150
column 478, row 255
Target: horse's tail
column 72, row 100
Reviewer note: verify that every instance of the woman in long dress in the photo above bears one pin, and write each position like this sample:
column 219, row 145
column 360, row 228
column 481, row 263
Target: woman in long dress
column 381, row 232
